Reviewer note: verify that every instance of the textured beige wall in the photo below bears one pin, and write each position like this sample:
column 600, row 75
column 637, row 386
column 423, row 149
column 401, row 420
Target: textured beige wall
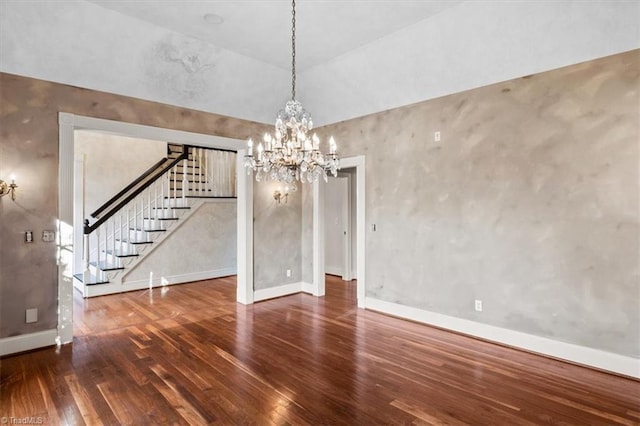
column 277, row 236
column 111, row 162
column 529, row 203
column 205, row 242
column 29, row 148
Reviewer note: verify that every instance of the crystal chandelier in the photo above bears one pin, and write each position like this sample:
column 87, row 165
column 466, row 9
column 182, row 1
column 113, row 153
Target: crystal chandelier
column 290, row 154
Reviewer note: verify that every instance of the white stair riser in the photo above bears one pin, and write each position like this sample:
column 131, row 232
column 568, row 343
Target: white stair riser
column 176, row 202
column 154, row 224
column 135, row 235
column 166, row 213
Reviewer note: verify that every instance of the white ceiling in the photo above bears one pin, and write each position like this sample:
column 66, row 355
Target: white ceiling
column 261, row 29
column 354, row 57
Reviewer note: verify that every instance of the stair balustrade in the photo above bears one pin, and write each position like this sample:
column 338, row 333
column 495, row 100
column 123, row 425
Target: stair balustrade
column 149, row 206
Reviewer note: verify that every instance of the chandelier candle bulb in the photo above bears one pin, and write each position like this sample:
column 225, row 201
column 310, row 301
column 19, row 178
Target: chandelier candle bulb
column 332, row 146
column 250, row 147
column 260, row 148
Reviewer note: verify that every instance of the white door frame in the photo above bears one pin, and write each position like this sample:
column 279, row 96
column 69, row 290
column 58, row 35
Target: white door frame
column 346, row 238
column 68, row 123
column 357, row 162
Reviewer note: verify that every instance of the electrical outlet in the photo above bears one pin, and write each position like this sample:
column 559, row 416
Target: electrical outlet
column 288, row 272
column 48, row 236
column 31, row 315
column 436, row 136
column 28, row 236
column 478, row 305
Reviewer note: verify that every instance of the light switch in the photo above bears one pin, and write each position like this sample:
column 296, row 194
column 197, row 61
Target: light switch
column 28, row 236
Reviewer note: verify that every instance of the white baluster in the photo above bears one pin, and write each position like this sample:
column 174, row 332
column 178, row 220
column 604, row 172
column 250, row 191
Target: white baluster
column 209, row 166
column 97, row 238
column 200, row 170
column 113, row 235
column 120, row 214
column 193, row 168
column 135, row 221
column 184, row 183
column 86, row 259
column 175, row 182
column 148, row 215
column 155, row 203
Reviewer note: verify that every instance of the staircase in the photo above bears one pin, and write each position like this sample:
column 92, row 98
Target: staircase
column 139, row 218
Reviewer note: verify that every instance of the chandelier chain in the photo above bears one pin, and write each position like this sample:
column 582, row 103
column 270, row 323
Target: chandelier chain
column 291, row 153
column 293, row 50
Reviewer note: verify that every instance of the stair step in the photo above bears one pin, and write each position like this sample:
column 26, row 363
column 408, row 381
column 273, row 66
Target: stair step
column 93, row 280
column 148, row 230
column 194, row 189
column 161, row 218
column 210, row 196
column 135, row 242
column 173, row 208
column 123, row 253
column 105, row 266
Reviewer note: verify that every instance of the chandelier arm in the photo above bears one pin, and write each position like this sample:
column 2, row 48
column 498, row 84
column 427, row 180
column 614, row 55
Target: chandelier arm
column 293, row 50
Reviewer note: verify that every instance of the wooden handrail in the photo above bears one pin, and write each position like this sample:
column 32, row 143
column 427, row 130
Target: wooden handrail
column 128, row 188
column 88, row 229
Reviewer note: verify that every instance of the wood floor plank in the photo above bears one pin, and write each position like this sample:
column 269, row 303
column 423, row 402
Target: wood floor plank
column 189, row 354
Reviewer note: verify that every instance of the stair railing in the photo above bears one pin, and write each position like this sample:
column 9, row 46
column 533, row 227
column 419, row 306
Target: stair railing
column 124, row 228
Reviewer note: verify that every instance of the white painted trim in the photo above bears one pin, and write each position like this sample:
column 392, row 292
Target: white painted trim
column 68, row 123
column 99, row 289
column 318, row 239
column 571, row 352
column 357, row 162
column 65, row 216
column 333, row 270
column 346, row 219
column 177, row 279
column 279, row 291
column 244, row 191
column 79, row 122
column 27, row 342
column 306, row 287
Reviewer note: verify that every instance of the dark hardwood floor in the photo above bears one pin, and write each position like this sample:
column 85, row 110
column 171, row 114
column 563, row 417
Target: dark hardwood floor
column 189, row 354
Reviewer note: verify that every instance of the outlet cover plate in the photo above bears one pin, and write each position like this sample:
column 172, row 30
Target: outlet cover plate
column 31, row 315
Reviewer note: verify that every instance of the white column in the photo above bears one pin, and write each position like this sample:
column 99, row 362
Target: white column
column 318, row 238
column 245, row 237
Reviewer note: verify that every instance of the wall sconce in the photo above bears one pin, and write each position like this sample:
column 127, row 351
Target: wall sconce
column 279, row 195
column 10, row 188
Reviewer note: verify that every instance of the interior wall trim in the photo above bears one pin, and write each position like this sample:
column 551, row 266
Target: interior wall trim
column 161, row 281
column 282, row 290
column 27, row 342
column 616, row 363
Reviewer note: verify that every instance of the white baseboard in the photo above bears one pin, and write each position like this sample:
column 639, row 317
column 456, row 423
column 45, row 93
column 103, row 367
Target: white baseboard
column 333, row 270
column 616, row 363
column 306, row 287
column 27, row 342
column 101, row 289
column 282, row 290
column 177, row 279
column 273, row 292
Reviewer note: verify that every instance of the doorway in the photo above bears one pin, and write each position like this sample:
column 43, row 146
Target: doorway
column 68, row 239
column 355, row 165
column 340, row 225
